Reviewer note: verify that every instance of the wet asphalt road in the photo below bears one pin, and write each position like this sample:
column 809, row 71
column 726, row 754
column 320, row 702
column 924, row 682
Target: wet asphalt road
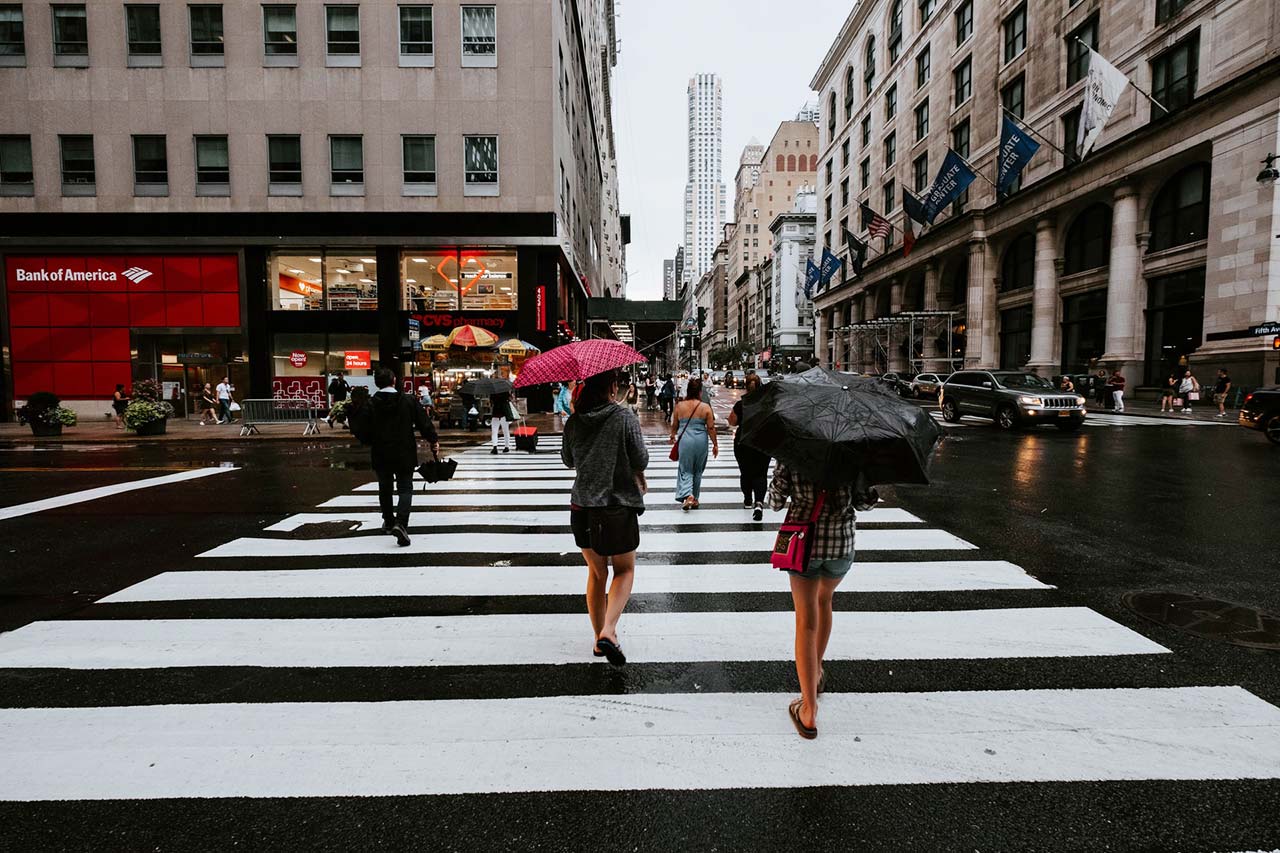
column 1098, row 514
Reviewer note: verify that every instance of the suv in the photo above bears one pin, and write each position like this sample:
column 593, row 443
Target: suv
column 1011, row 399
column 900, row 386
column 928, row 385
column 1261, row 411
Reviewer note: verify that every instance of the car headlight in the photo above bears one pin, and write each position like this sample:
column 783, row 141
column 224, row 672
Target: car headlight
column 1080, row 401
column 1031, row 401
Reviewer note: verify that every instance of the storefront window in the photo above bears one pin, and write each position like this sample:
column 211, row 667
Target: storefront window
column 1084, row 330
column 1175, row 321
column 1015, row 338
column 460, row 279
column 333, row 279
column 302, row 364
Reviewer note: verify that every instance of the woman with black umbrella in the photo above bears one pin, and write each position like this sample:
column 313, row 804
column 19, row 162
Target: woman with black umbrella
column 753, row 466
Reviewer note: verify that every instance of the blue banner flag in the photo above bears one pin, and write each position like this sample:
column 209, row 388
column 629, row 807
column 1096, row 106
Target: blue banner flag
column 954, row 176
column 812, row 274
column 830, row 266
column 1016, row 150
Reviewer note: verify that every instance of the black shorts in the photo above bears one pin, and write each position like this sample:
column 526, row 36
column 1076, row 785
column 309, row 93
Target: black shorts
column 620, row 537
column 581, row 528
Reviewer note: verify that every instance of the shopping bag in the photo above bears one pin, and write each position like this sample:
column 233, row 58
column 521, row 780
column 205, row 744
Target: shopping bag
column 235, row 407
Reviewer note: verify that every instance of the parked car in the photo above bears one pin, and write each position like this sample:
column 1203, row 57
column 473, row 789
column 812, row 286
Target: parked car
column 717, row 377
column 1261, row 411
column 927, row 385
column 1011, row 399
column 900, row 385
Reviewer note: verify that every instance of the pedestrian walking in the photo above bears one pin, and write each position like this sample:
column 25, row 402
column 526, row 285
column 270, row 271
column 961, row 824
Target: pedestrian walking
column 650, row 393
column 338, row 390
column 208, row 405
column 707, row 391
column 386, row 421
column 1221, row 388
column 604, row 445
column 1067, row 385
column 561, row 409
column 1101, row 395
column 667, row 397
column 120, row 402
column 499, row 420
column 753, row 466
column 833, row 511
column 1115, row 385
column 1189, row 389
column 696, row 422
column 224, row 390
column 632, row 397
column 1168, row 393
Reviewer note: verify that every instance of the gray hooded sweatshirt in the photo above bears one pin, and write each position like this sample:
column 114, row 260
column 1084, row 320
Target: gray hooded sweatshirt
column 606, row 447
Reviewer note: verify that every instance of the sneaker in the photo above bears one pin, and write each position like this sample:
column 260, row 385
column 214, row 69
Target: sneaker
column 402, row 536
column 388, row 526
column 758, row 513
column 506, row 450
column 746, row 504
column 493, row 452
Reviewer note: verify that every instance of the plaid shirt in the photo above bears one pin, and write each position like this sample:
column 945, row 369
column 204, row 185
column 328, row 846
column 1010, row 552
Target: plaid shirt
column 834, row 532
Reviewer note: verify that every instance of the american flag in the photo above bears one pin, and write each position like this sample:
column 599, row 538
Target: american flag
column 876, row 225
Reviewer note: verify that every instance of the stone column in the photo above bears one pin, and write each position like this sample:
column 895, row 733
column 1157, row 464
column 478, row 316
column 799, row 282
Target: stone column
column 1123, row 286
column 980, row 323
column 895, row 296
column 819, row 336
column 929, row 329
column 897, row 334
column 1044, row 305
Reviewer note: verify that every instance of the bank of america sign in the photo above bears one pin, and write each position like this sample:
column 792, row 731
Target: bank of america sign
column 134, row 274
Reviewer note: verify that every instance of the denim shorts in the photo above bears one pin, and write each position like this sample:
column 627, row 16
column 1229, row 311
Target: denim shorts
column 827, row 569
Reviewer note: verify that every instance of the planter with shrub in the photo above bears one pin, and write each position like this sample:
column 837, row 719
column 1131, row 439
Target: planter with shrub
column 147, row 413
column 45, row 414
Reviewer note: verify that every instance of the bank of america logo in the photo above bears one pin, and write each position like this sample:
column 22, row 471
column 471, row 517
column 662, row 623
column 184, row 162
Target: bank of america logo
column 136, row 274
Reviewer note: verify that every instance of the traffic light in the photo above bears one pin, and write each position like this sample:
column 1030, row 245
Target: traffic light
column 1275, row 342
column 702, row 318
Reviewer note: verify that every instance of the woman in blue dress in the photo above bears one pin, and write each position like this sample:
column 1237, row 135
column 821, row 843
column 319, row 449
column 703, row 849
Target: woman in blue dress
column 692, row 424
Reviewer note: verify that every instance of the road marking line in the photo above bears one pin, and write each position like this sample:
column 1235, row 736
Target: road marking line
column 562, row 638
column 106, row 491
column 566, row 483
column 664, row 499
column 504, row 581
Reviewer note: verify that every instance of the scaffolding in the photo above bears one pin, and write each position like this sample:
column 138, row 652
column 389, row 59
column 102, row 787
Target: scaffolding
column 907, row 342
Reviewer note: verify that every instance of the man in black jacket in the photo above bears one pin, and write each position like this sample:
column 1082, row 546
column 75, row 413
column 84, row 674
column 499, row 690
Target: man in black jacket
column 387, row 423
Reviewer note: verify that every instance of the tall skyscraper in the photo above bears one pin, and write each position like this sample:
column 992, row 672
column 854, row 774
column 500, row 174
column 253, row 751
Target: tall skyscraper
column 704, row 194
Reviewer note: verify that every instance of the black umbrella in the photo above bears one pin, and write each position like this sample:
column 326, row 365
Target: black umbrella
column 838, row 433
column 485, row 387
column 827, row 376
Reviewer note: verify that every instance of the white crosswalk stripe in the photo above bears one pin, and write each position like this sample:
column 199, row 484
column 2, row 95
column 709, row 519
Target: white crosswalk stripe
column 1097, row 419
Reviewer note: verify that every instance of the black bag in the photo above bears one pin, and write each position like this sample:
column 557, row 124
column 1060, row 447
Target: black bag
column 613, row 530
column 435, row 470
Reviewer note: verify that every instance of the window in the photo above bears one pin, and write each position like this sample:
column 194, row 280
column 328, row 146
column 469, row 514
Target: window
column 960, row 144
column 342, row 30
column 869, row 66
column 1014, row 96
column 1084, row 330
column 830, row 171
column 891, row 103
column 890, row 150
column 890, row 198
column 1167, row 9
column 920, row 172
column 416, row 31
column 350, row 280
column 206, row 30
column 419, row 159
column 346, row 160
column 964, row 22
column 1071, row 136
column 844, row 154
column 922, row 121
column 922, row 67
column 895, row 31
column 864, row 173
column 866, row 130
column 1180, row 213
column 480, row 159
column 150, row 165
column 479, row 35
column 1089, row 240
column 829, row 208
column 466, row 279
column 1015, row 338
column 848, row 93
column 213, row 167
column 927, row 8
column 142, row 31
column 1077, row 56
column 279, row 31
column 844, row 192
column 13, row 41
column 16, row 176
column 77, row 163
column 70, row 31
column 1175, row 321
column 962, row 77
column 1015, row 33
column 831, row 116
column 1019, row 268
column 1173, row 76
column 284, row 163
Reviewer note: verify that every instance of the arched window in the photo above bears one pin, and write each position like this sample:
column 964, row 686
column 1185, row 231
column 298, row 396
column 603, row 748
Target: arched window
column 1180, row 214
column 1019, row 268
column 831, row 116
column 959, row 281
column 848, row 93
column 781, row 165
column 1089, row 240
column 791, row 162
column 895, row 31
column 869, row 71
column 813, row 162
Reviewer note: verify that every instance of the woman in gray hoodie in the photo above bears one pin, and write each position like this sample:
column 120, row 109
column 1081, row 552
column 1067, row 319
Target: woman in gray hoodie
column 604, row 444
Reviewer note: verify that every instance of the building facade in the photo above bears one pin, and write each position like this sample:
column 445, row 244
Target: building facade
column 790, row 318
column 1155, row 252
column 704, row 193
column 280, row 192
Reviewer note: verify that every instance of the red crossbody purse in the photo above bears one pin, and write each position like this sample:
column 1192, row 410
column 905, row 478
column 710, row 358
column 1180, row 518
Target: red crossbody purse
column 792, row 548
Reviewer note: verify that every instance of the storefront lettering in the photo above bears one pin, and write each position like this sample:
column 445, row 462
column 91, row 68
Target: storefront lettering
column 64, row 274
column 540, row 305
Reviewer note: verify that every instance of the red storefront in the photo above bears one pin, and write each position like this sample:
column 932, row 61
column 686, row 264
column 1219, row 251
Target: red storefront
column 74, row 321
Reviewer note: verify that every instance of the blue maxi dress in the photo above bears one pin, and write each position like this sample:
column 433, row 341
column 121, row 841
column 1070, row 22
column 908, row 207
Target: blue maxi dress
column 693, row 457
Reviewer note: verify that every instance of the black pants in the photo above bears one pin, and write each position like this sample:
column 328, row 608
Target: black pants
column 401, row 482
column 753, row 468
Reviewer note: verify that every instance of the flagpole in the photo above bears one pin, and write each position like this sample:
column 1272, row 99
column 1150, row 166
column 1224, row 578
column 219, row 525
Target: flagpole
column 1036, row 133
column 974, row 169
column 1141, row 91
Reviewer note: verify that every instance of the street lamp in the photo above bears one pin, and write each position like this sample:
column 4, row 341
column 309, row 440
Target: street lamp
column 1269, row 173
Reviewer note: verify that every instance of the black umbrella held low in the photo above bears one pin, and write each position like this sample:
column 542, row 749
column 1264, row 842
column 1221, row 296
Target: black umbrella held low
column 485, row 387
column 853, row 381
column 834, row 433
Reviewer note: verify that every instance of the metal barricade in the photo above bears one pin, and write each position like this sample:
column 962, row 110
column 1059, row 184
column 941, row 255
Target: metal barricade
column 279, row 411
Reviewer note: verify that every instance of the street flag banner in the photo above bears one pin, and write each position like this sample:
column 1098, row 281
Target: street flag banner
column 812, row 274
column 830, row 266
column 1101, row 94
column 913, row 217
column 874, row 224
column 953, row 178
column 1016, row 150
column 857, row 252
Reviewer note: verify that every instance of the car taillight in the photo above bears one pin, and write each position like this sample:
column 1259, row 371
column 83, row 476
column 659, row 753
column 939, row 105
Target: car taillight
column 1247, row 399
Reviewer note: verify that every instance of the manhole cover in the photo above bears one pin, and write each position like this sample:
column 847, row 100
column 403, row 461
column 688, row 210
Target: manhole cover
column 325, row 529
column 1209, row 618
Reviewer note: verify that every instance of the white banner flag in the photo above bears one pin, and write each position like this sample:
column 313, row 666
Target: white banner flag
column 1101, row 92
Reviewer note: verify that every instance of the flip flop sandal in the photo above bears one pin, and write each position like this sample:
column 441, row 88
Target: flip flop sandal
column 595, row 651
column 806, row 732
column 612, row 651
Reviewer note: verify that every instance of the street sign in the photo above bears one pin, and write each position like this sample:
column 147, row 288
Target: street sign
column 1265, row 329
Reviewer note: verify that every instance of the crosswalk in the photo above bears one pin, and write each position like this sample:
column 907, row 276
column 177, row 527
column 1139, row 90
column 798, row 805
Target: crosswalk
column 495, row 567
column 1099, row 419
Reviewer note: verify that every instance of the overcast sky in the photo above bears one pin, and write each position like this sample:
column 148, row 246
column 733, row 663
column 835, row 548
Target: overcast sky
column 765, row 52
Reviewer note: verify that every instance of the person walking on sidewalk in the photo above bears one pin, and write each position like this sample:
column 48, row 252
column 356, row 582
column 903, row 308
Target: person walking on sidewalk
column 605, row 447
column 224, row 400
column 1115, row 385
column 696, row 422
column 753, row 466
column 338, row 390
column 208, row 405
column 1168, row 392
column 560, row 411
column 499, row 417
column 1221, row 389
column 1189, row 390
column 650, row 393
column 1101, row 394
column 667, row 397
column 387, row 421
column 120, row 402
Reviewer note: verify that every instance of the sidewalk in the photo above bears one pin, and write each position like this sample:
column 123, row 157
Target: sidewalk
column 1151, row 409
